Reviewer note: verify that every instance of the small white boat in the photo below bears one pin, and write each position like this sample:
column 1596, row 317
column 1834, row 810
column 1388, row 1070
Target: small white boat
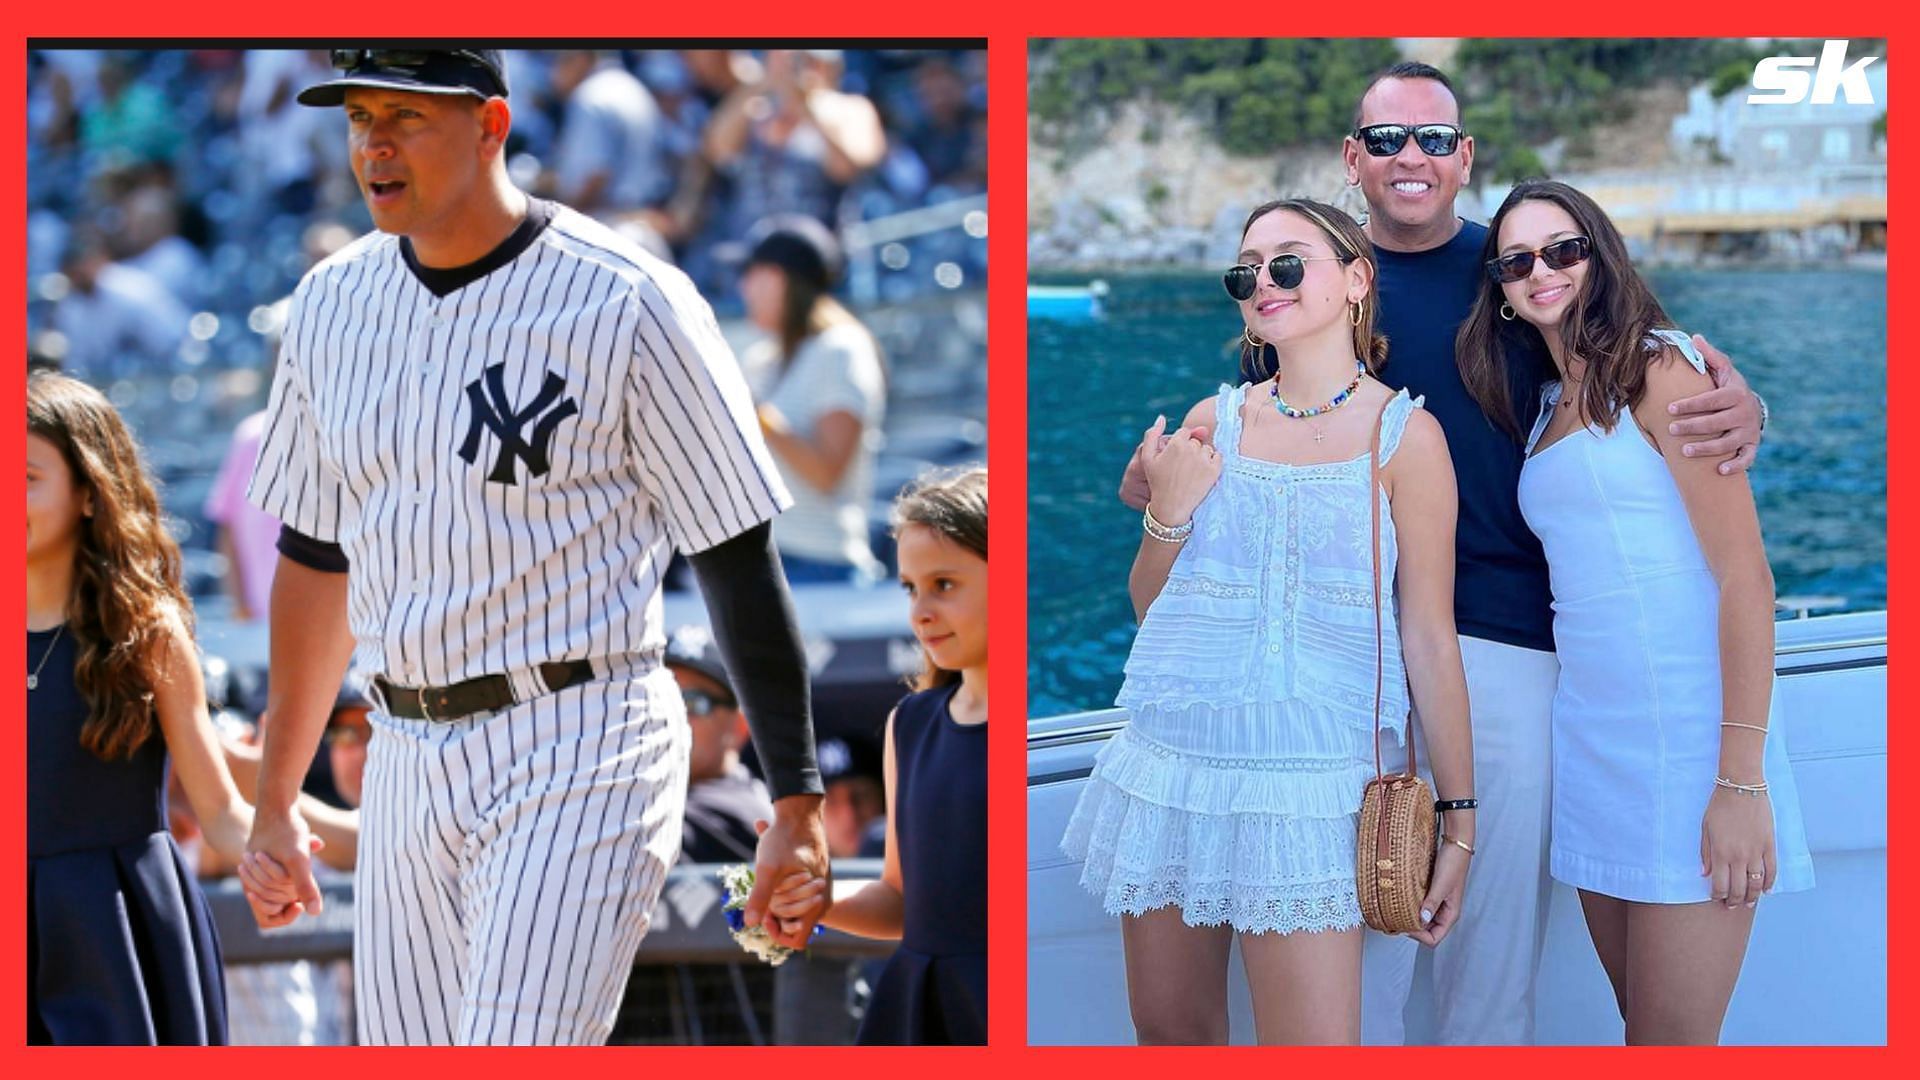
column 1816, row 969
column 1066, row 303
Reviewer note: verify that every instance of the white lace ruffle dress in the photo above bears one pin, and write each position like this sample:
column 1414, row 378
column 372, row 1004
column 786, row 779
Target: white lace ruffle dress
column 1233, row 793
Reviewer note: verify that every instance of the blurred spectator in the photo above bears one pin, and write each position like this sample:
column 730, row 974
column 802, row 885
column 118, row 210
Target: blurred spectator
column 116, row 319
column 284, row 148
column 950, row 137
column 723, row 799
column 792, row 142
column 856, row 804
column 149, row 235
column 132, row 122
column 610, row 156
column 246, row 535
column 349, row 730
column 822, row 391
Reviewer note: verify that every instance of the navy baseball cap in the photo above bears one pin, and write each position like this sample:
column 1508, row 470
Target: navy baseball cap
column 692, row 647
column 480, row 72
column 798, row 244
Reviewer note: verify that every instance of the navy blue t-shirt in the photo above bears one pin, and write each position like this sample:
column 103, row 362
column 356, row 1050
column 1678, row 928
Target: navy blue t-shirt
column 1500, row 589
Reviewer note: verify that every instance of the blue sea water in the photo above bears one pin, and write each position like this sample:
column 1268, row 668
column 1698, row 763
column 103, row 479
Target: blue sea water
column 1814, row 342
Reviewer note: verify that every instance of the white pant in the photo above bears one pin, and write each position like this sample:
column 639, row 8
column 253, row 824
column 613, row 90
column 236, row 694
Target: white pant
column 1483, row 973
column 509, row 864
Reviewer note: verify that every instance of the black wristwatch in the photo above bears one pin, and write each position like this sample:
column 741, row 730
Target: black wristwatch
column 1441, row 806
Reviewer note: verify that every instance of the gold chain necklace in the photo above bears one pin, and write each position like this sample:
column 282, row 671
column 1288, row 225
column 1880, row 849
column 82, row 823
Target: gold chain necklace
column 33, row 679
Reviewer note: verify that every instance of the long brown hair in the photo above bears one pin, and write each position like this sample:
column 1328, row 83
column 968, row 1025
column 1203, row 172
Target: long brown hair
column 1349, row 243
column 808, row 309
column 126, row 572
column 953, row 503
column 1606, row 326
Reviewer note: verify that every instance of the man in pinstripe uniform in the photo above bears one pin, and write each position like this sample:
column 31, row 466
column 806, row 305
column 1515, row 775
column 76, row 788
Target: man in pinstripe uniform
column 491, row 421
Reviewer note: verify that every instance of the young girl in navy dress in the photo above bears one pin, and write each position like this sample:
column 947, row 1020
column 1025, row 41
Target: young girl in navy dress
column 120, row 942
column 932, row 894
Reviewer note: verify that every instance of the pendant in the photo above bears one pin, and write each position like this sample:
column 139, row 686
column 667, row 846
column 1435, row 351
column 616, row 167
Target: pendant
column 1319, row 436
column 33, row 682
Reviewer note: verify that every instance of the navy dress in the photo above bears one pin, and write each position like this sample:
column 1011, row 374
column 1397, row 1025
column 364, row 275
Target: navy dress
column 120, row 942
column 934, row 989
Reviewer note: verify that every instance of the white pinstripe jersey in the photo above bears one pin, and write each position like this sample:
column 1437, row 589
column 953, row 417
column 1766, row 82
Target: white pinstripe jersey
column 505, row 466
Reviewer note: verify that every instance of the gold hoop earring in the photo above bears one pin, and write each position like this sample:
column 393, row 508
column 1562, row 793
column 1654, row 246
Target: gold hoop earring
column 1356, row 311
column 1506, row 311
column 1253, row 340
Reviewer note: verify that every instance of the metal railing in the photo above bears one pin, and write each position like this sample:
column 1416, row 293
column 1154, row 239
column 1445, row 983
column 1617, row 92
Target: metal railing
column 694, row 974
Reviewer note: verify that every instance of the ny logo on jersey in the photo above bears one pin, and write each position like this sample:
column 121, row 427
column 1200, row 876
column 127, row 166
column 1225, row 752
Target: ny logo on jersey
column 492, row 410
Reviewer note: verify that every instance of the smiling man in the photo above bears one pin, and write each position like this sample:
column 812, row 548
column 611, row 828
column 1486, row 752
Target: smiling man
column 492, row 421
column 1409, row 156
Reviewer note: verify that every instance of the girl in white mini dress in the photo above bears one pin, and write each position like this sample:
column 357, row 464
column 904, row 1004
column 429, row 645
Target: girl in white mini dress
column 1674, row 810
column 1229, row 804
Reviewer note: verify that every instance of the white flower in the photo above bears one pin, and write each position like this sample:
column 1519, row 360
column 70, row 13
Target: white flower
column 738, row 882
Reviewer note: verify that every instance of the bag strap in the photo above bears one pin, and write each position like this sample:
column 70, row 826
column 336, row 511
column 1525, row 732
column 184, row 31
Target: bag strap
column 1379, row 632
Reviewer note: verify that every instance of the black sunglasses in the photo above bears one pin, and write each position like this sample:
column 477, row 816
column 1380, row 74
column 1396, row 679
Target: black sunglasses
column 1286, row 269
column 700, row 703
column 1558, row 256
column 348, row 59
column 1434, row 140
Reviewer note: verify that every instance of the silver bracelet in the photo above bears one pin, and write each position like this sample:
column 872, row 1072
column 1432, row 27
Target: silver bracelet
column 1166, row 534
column 1749, row 727
column 1750, row 790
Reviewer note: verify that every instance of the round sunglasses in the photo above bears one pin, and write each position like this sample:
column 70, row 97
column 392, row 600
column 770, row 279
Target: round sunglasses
column 1286, row 269
column 1558, row 256
column 1434, row 140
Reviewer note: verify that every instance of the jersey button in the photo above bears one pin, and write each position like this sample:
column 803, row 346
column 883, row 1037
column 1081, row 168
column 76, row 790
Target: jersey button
column 417, row 587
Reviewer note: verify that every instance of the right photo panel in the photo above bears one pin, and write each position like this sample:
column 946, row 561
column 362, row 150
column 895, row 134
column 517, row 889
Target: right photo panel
column 1457, row 541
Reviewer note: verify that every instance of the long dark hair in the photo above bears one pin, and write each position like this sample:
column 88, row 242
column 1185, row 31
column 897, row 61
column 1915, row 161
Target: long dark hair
column 1606, row 325
column 127, row 574
column 1349, row 243
column 952, row 503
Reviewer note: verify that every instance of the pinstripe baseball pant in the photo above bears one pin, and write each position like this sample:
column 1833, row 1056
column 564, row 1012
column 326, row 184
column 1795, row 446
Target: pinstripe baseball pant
column 509, row 863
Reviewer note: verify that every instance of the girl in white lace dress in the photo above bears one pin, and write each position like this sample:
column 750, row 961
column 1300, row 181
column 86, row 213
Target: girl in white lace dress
column 1229, row 804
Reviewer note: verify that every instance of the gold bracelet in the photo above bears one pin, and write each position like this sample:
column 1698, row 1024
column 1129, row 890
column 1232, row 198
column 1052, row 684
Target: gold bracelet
column 1749, row 790
column 1462, row 845
column 1749, row 727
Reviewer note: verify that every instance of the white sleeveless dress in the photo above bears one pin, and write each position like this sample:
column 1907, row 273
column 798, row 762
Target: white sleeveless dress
column 1636, row 715
column 1234, row 791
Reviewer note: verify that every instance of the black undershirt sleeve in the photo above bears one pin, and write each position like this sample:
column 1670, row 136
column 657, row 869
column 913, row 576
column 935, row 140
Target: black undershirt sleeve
column 759, row 638
column 311, row 553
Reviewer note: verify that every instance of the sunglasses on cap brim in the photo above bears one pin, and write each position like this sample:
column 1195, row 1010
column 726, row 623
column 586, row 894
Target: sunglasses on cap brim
column 349, row 59
column 1434, row 140
column 1285, row 269
column 1558, row 256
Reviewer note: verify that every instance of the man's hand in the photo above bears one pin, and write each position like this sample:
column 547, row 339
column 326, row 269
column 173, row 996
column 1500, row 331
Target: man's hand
column 795, row 842
column 1729, row 414
column 1134, row 489
column 279, row 845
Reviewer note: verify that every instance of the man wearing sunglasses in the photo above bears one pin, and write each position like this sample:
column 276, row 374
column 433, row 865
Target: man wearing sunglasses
column 723, row 798
column 1409, row 157
column 491, row 423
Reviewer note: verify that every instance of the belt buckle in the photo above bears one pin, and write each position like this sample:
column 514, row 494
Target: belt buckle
column 424, row 710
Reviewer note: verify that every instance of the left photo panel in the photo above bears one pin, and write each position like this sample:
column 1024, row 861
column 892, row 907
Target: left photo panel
column 506, row 543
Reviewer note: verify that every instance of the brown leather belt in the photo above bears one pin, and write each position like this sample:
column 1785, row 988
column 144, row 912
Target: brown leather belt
column 484, row 693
